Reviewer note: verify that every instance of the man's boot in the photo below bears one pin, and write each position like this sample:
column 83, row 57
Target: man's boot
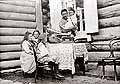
column 57, row 75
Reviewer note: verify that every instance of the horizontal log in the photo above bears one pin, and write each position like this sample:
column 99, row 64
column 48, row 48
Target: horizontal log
column 11, row 39
column 17, row 47
column 109, row 22
column 9, row 64
column 11, row 70
column 102, row 37
column 9, row 55
column 105, row 3
column 12, row 47
column 12, row 23
column 107, row 33
column 106, row 42
column 16, row 9
column 19, row 3
column 14, row 31
column 17, row 16
column 102, row 47
column 99, row 48
column 92, row 56
column 110, row 11
column 97, row 56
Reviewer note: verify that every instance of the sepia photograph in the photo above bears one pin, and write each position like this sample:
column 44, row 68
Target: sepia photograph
column 59, row 41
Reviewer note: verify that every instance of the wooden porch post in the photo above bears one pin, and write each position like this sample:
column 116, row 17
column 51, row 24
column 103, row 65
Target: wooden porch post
column 39, row 21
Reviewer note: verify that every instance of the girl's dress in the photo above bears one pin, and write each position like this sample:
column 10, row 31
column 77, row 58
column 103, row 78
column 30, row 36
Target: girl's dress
column 27, row 60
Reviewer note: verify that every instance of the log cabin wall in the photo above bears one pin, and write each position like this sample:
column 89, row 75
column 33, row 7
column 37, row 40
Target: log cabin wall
column 17, row 17
column 109, row 27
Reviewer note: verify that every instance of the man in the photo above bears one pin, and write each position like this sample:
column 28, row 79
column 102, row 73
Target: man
column 64, row 20
column 66, row 24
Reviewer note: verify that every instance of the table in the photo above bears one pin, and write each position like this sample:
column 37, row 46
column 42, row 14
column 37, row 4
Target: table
column 66, row 53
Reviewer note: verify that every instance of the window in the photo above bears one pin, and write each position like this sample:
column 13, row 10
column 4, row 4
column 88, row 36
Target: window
column 85, row 9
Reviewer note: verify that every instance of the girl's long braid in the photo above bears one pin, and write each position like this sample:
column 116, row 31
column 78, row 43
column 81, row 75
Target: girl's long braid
column 34, row 49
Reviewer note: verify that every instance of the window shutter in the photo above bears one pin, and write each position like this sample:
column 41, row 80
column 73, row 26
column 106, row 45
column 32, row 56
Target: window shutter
column 91, row 16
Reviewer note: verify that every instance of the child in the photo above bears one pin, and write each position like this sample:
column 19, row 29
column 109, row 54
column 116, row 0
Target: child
column 72, row 21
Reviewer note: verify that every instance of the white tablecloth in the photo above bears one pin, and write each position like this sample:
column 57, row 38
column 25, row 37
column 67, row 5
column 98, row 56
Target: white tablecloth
column 66, row 53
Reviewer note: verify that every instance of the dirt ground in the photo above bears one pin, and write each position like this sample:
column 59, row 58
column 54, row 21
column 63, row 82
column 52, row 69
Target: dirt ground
column 18, row 78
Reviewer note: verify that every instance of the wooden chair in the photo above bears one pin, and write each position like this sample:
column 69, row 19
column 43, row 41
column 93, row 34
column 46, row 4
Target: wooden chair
column 40, row 66
column 112, row 59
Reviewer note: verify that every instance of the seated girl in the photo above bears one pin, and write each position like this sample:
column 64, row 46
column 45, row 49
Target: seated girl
column 43, row 54
column 27, row 58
